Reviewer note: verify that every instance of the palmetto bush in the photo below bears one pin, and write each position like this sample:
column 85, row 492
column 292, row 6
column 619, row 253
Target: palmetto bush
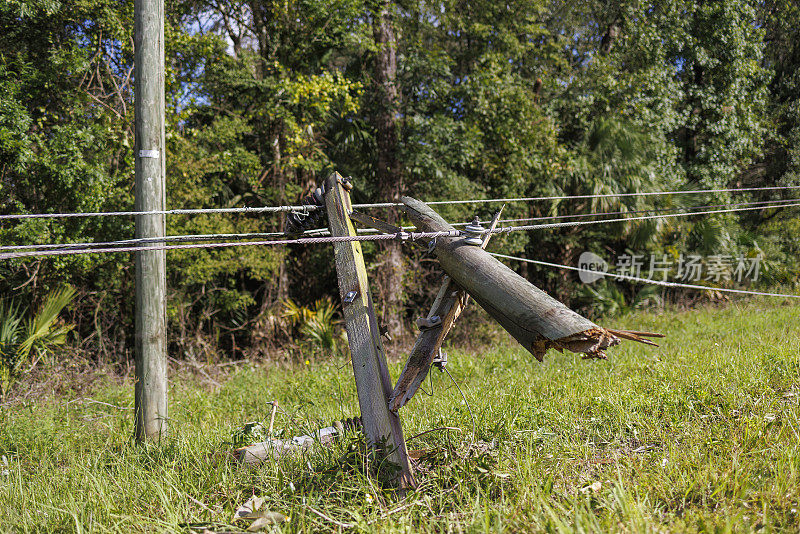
column 317, row 325
column 606, row 299
column 21, row 336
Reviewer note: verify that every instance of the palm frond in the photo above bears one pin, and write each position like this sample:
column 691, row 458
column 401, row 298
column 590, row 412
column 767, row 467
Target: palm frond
column 39, row 333
column 297, row 315
column 10, row 321
column 39, row 328
column 710, row 235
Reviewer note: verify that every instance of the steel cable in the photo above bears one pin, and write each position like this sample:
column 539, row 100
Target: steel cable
column 401, row 236
column 404, row 236
column 309, row 208
column 323, row 232
column 646, row 280
column 567, row 224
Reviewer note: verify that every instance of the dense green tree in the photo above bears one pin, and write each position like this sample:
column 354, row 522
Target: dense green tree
column 65, row 137
column 780, row 160
column 441, row 100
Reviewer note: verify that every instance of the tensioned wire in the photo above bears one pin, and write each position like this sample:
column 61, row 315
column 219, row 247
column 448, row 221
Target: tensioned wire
column 567, row 224
column 645, row 280
column 401, row 236
column 322, row 231
column 165, row 239
column 763, row 203
column 311, row 207
column 579, row 197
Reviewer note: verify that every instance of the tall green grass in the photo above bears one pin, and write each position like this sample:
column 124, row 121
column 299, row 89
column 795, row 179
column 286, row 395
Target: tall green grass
column 699, row 435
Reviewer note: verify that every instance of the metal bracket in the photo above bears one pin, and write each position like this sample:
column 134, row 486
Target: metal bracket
column 385, row 333
column 350, row 297
column 346, row 181
column 440, row 362
column 426, row 323
column 384, row 227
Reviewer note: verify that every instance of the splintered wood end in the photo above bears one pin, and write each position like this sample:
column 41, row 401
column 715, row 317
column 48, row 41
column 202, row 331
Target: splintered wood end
column 633, row 335
column 592, row 343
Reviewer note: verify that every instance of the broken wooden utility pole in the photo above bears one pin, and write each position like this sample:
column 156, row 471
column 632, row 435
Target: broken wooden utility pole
column 373, row 383
column 449, row 303
column 535, row 319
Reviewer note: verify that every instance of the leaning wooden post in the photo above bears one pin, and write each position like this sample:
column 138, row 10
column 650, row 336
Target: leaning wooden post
column 374, row 386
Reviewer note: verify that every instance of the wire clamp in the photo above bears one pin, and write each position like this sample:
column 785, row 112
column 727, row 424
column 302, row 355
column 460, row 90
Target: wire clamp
column 347, row 182
column 440, row 362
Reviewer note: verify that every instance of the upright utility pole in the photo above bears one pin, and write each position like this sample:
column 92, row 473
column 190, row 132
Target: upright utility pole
column 151, row 281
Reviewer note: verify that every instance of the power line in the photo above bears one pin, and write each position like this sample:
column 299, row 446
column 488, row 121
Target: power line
column 400, row 236
column 621, row 195
column 403, row 235
column 165, row 239
column 309, row 208
column 578, row 197
column 245, row 209
column 323, row 231
column 628, row 219
column 646, row 280
column 763, row 203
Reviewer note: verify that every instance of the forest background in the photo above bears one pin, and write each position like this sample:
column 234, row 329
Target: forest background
column 438, row 100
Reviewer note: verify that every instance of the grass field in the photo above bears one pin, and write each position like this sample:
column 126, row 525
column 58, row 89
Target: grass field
column 699, row 435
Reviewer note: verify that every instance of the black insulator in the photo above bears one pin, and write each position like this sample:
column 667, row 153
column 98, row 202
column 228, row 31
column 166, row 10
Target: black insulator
column 298, row 222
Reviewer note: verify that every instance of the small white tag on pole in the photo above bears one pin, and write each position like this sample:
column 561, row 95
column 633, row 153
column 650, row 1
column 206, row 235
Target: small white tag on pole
column 149, row 154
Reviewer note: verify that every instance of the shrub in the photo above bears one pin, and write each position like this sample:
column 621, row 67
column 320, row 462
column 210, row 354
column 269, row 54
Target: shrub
column 19, row 337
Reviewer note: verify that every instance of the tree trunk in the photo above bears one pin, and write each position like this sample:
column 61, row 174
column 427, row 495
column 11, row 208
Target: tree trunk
column 610, row 37
column 272, row 139
column 280, row 183
column 389, row 178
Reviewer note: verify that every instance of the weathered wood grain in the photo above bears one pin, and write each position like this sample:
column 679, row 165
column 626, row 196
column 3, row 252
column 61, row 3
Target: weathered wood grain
column 373, row 382
column 151, row 407
column 427, row 344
